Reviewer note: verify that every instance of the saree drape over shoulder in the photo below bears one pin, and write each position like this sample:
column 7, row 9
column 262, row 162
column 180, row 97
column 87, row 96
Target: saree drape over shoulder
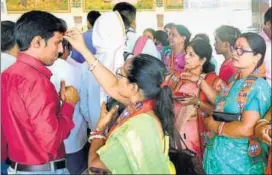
column 225, row 155
column 189, row 120
column 136, row 147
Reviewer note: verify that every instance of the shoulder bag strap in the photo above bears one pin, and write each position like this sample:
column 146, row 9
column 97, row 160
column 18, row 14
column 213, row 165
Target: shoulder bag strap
column 178, row 140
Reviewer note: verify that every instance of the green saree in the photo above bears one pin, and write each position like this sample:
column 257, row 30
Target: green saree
column 136, row 147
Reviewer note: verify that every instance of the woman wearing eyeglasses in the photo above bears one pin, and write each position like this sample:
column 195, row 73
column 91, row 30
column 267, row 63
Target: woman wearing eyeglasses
column 230, row 147
column 136, row 143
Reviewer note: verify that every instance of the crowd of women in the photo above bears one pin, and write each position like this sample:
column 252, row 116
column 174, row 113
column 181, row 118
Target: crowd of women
column 218, row 116
column 179, row 95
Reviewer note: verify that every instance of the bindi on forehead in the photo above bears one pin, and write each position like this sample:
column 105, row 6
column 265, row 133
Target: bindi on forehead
column 242, row 43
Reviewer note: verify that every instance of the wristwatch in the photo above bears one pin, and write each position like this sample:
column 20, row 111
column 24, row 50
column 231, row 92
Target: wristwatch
column 197, row 105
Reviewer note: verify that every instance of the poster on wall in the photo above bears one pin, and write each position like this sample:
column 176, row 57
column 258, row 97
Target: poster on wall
column 78, row 22
column 160, row 21
column 159, row 3
column 107, row 5
column 76, row 3
column 174, row 5
column 20, row 6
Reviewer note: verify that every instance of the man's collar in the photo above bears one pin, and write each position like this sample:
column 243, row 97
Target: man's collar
column 35, row 63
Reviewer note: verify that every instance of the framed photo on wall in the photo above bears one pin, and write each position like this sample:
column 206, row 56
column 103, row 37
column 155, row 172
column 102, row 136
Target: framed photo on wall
column 160, row 21
column 173, row 5
column 20, row 6
column 107, row 5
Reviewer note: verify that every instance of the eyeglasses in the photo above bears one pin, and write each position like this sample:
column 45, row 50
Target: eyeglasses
column 119, row 74
column 239, row 51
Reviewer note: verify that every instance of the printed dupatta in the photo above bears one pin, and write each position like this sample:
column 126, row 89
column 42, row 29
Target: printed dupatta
column 254, row 147
column 132, row 110
column 175, row 83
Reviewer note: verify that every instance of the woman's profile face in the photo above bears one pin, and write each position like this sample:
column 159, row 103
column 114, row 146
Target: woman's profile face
column 125, row 88
column 243, row 56
column 192, row 60
column 175, row 39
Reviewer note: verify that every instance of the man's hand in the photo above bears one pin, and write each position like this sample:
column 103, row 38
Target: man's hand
column 68, row 94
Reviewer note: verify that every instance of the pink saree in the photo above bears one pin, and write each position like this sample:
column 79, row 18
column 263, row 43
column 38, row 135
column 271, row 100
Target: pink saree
column 186, row 119
column 189, row 120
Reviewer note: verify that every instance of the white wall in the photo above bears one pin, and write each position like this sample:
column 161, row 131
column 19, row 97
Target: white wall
column 205, row 20
column 236, row 12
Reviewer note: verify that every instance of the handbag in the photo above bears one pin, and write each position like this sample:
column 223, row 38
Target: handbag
column 185, row 160
column 226, row 117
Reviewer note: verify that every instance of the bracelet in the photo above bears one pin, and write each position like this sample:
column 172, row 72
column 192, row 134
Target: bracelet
column 220, row 128
column 201, row 78
column 92, row 66
column 97, row 136
column 97, row 132
column 263, row 120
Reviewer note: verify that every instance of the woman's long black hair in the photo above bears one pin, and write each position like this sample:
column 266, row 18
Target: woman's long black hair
column 149, row 73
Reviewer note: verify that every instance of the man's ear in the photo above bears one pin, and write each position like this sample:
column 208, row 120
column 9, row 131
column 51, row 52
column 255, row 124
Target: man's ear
column 37, row 42
column 226, row 44
column 133, row 24
column 89, row 25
